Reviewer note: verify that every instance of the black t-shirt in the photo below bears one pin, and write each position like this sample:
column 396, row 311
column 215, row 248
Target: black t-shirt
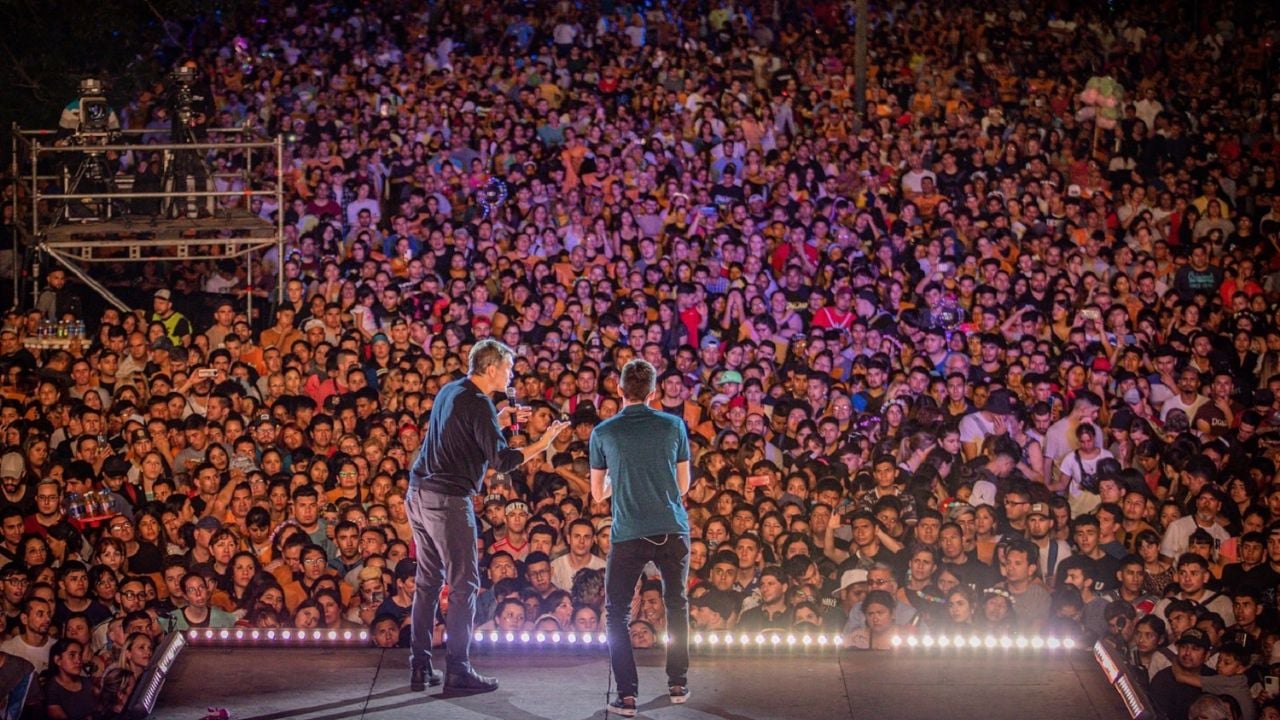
column 883, row 556
column 1107, row 566
column 1264, row 579
column 1171, row 698
column 26, row 504
column 77, row 704
column 722, row 194
column 390, row 607
column 97, row 613
column 952, row 184
column 975, row 572
column 147, row 560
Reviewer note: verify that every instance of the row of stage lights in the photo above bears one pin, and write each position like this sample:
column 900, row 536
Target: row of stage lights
column 277, row 636
column 990, row 642
column 777, row 640
column 589, row 639
column 725, row 639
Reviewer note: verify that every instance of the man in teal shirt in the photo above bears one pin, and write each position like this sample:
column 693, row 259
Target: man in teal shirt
column 644, row 454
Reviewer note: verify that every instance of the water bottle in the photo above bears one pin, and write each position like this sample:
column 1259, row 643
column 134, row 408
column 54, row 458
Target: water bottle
column 91, row 504
column 75, row 506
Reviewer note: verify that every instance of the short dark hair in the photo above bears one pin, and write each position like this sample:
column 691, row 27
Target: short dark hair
column 544, row 529
column 777, row 573
column 638, row 380
column 1192, row 559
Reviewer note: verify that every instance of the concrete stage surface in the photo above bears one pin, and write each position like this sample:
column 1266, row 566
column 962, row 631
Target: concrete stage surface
column 321, row 684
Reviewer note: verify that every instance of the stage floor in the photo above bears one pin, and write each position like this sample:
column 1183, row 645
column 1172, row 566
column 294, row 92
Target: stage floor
column 274, row 684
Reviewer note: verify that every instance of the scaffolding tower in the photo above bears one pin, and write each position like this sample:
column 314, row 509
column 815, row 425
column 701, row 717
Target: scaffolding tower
column 59, row 218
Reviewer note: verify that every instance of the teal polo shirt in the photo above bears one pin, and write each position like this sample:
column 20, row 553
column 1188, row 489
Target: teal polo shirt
column 640, row 448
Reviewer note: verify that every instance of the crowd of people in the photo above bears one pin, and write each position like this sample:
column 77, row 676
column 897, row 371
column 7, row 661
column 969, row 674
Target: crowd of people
column 977, row 360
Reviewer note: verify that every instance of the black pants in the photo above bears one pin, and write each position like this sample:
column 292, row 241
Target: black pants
column 626, row 562
column 444, row 531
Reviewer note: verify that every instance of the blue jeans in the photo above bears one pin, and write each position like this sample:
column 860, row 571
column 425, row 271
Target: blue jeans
column 626, row 562
column 444, row 532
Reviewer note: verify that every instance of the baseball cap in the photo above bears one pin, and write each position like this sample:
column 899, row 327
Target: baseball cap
column 1194, row 636
column 710, row 342
column 516, row 506
column 1041, row 509
column 115, row 466
column 851, row 577
column 1000, row 402
column 494, row 501
column 729, row 376
column 208, row 523
column 163, row 294
column 312, row 324
column 406, row 568
column 11, row 465
column 720, row 399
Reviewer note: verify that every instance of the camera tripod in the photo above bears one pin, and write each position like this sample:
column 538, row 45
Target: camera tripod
column 186, row 170
column 93, row 173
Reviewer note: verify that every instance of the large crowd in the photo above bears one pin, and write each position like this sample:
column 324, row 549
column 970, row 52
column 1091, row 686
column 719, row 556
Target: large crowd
column 984, row 360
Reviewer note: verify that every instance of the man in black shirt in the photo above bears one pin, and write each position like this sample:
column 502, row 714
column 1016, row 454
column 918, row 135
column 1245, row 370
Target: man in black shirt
column 1172, row 691
column 464, row 439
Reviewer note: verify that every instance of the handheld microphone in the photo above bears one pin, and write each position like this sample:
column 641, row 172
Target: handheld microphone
column 511, row 400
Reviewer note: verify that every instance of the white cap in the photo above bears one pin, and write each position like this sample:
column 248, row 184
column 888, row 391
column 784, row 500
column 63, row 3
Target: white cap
column 858, row 575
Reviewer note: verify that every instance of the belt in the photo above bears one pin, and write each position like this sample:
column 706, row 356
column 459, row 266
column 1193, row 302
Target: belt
column 440, row 492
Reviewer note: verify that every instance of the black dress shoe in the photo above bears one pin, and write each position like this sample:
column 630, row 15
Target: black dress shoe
column 470, row 682
column 421, row 678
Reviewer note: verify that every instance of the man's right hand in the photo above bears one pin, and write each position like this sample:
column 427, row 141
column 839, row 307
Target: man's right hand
column 556, row 428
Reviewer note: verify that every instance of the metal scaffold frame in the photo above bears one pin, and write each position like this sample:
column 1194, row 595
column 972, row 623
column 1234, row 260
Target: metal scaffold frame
column 41, row 226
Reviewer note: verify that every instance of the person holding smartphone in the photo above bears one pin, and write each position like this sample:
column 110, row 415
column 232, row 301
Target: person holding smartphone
column 640, row 459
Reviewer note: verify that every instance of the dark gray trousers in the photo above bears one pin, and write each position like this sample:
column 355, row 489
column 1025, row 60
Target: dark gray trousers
column 444, row 532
